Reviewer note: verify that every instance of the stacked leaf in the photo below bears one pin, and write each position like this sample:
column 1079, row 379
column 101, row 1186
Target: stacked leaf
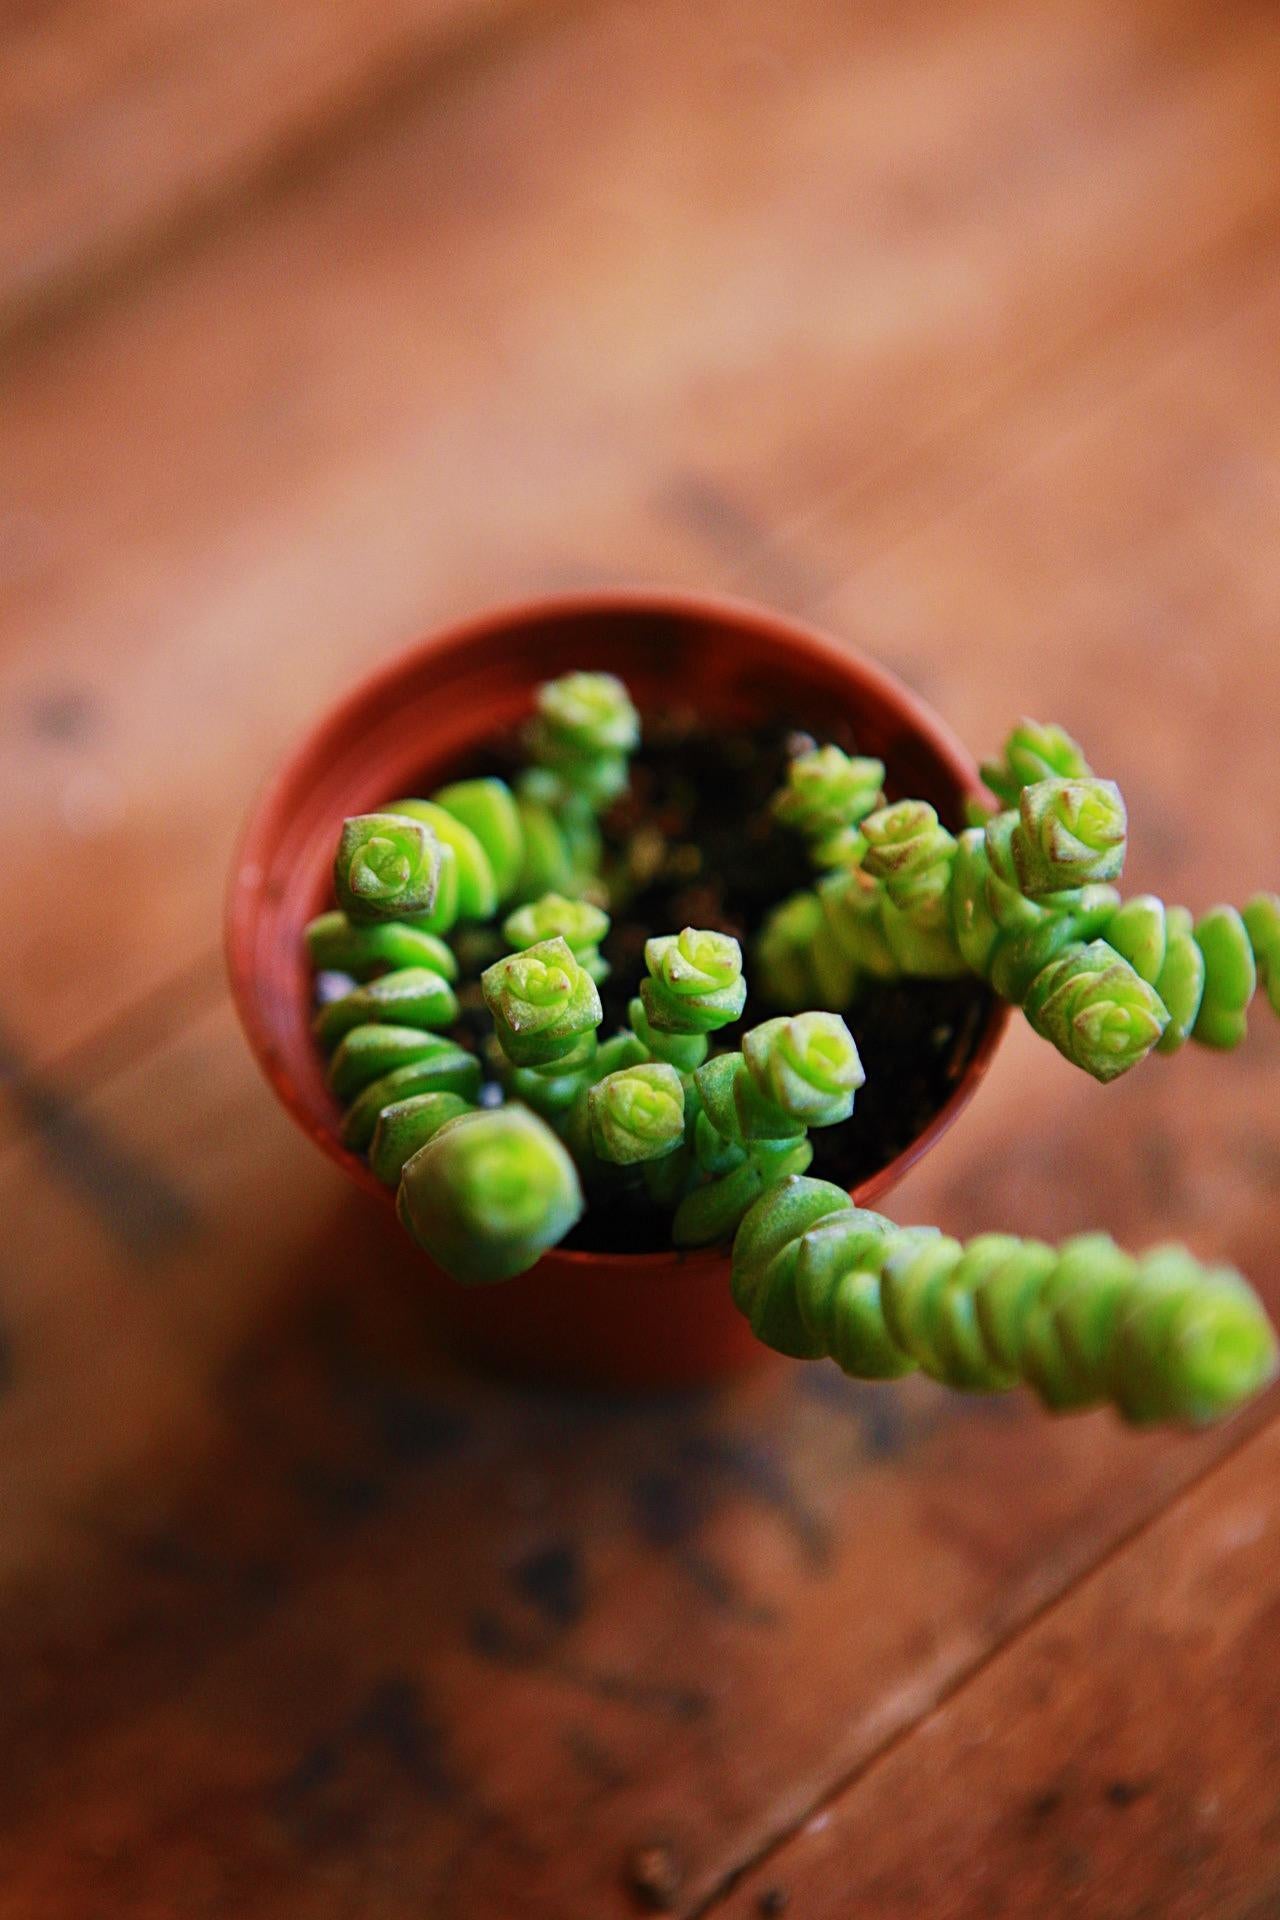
column 1160, row 1337
column 1025, row 901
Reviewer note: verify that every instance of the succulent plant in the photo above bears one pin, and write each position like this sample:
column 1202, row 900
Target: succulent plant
column 370, row 1052
column 1024, row 901
column 1070, row 833
column 1261, row 917
column 807, row 1066
column 477, row 887
column 1160, row 1337
column 403, row 1126
column 756, row 1107
column 409, row 997
column 580, row 740
column 1095, row 1009
column 488, row 809
column 683, row 1050
column 495, row 1153
column 583, row 731
column 440, row 1066
column 553, row 1089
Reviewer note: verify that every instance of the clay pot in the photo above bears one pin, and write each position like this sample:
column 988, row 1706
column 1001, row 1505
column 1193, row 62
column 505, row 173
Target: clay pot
column 632, row 1321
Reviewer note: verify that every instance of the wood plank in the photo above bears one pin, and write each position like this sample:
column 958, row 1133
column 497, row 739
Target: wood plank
column 1118, row 1759
column 424, row 381
column 125, row 1323
column 293, row 1612
column 287, row 1601
column 1105, row 556
column 122, row 123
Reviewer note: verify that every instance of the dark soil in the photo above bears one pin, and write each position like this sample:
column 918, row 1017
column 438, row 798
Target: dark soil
column 693, row 845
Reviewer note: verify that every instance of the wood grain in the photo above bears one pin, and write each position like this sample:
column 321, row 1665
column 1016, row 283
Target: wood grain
column 121, row 124
column 315, row 1609
column 1118, row 1759
column 952, row 327
column 443, row 372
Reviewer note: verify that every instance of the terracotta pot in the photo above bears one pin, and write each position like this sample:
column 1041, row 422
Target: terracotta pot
column 651, row 1320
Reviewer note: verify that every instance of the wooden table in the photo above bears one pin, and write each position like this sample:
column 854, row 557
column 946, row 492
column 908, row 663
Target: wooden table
column 950, row 325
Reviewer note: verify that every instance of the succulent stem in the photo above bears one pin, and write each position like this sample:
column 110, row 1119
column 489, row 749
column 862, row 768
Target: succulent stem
column 1159, row 1336
column 1023, row 902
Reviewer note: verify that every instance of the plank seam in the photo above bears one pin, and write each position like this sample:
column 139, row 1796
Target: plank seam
column 1255, row 1428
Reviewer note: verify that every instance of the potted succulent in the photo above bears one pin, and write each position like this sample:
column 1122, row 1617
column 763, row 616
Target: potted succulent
column 633, row 1089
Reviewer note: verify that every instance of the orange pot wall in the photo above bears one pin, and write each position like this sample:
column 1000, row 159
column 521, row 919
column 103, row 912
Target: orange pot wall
column 627, row 1321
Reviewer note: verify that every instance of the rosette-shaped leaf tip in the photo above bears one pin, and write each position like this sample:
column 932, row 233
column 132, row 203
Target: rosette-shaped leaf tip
column 1097, row 1011
column 542, row 1001
column 489, row 1193
column 387, row 866
column 808, row 1065
column 637, row 1113
column 912, row 853
column 1034, row 752
column 695, row 982
column 1070, row 833
column 578, row 922
column 588, row 713
column 1199, row 1346
column 902, row 838
column 827, row 790
column 583, row 729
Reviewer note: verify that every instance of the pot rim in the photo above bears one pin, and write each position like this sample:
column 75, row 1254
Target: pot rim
column 249, row 863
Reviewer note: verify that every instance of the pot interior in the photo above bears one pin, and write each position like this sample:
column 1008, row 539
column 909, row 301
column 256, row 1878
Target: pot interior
column 422, row 720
